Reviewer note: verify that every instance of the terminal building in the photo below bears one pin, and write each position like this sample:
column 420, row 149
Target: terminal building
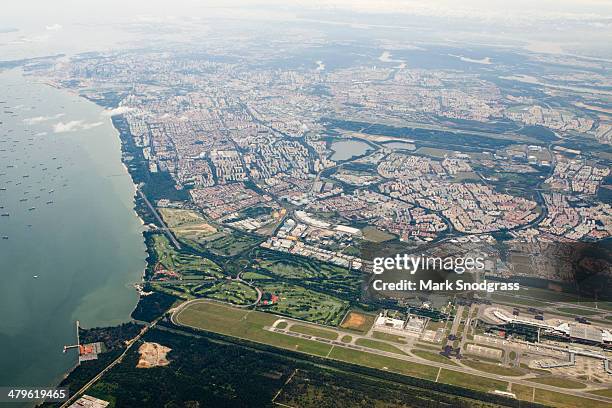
column 412, row 324
column 558, row 330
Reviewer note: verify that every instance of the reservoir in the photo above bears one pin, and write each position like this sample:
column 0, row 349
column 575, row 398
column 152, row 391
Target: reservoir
column 72, row 245
column 347, row 149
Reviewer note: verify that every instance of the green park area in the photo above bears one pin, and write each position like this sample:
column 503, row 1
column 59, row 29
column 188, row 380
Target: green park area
column 307, row 272
column 230, row 244
column 304, row 304
column 189, row 266
column 234, row 292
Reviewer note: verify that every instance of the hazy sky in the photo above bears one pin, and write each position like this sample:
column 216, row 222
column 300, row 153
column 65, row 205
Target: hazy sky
column 51, row 24
column 37, row 11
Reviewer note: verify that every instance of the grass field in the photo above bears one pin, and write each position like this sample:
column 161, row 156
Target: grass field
column 244, row 324
column 558, row 382
column 389, row 337
column 435, row 325
column 471, row 381
column 432, row 356
column 428, row 346
column 566, row 401
column 577, row 311
column 373, row 234
column 250, row 275
column 434, row 152
column 186, row 224
column 378, row 345
column 314, row 331
column 360, row 322
column 384, row 363
column 493, row 368
column 518, row 301
column 522, row 392
column 607, row 392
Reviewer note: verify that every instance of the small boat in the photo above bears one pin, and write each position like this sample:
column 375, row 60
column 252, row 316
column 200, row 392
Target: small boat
column 23, row 199
column 35, row 276
column 31, row 208
column 49, row 202
column 50, row 191
column 5, row 214
column 5, row 237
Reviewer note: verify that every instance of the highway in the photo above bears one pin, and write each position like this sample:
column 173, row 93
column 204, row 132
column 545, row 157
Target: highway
column 164, row 227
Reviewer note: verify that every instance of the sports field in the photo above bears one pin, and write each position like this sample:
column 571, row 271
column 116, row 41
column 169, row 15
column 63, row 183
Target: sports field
column 356, row 321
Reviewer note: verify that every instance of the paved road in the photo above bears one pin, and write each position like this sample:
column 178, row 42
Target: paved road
column 164, row 227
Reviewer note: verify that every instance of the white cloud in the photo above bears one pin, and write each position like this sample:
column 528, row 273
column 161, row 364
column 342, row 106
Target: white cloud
column 117, row 111
column 40, row 119
column 54, row 27
column 73, row 126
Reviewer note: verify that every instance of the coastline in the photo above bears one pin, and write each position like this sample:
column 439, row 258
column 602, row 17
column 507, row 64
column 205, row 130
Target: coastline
column 98, row 287
column 140, row 211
